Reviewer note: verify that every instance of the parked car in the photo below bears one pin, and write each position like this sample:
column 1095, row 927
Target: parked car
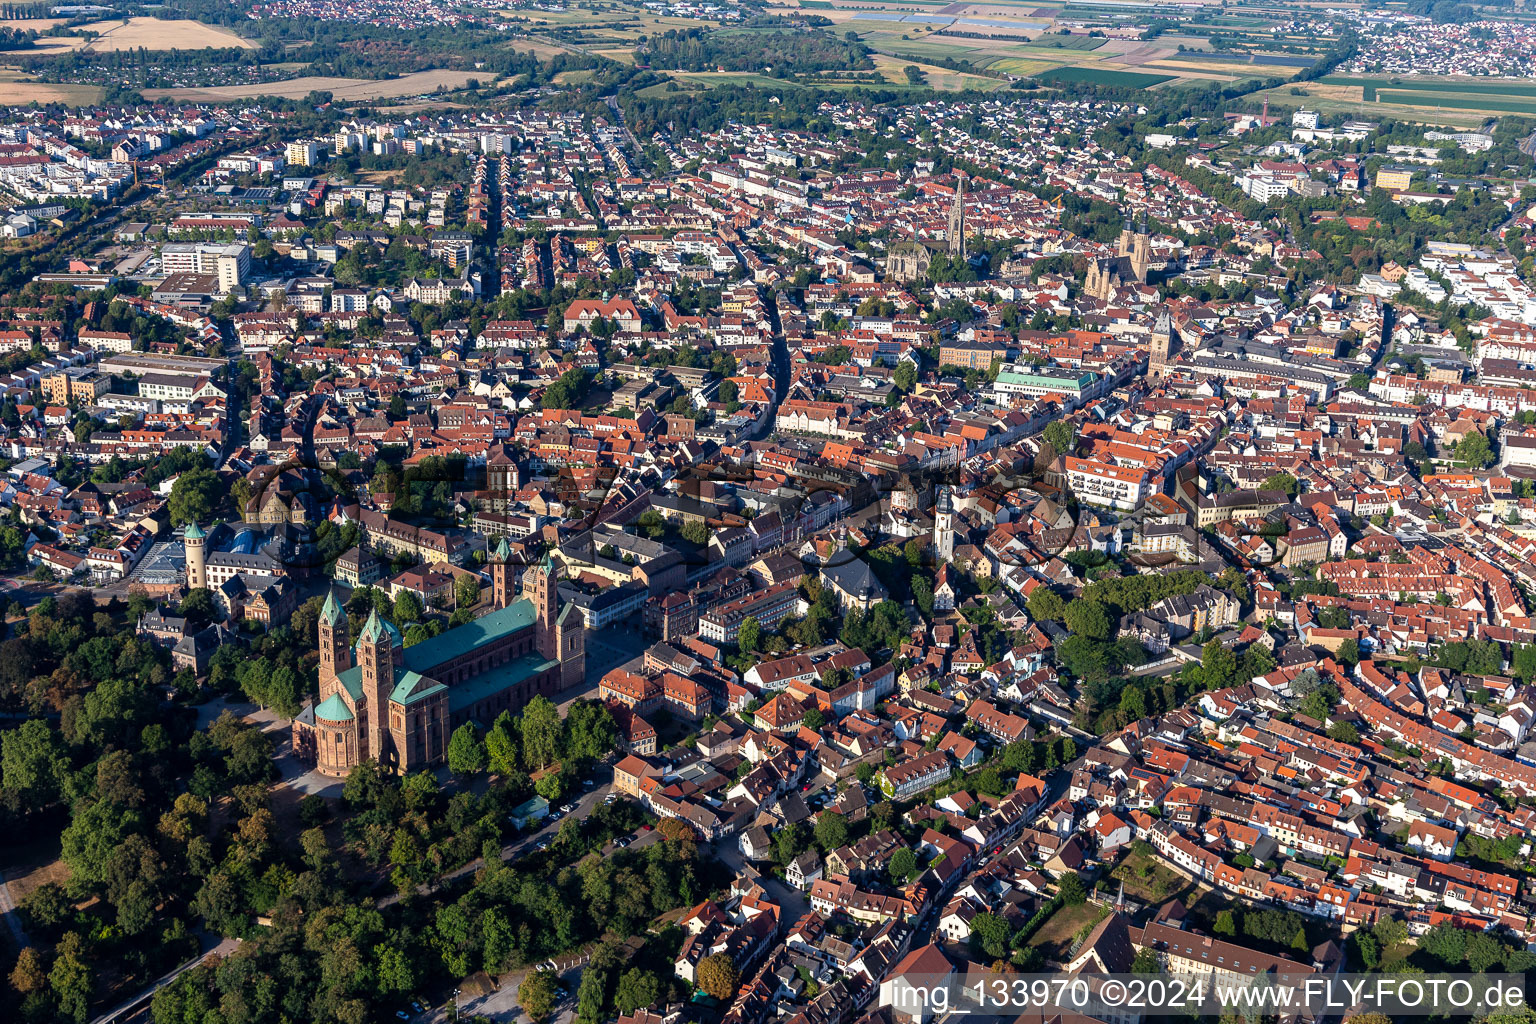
column 610, row 798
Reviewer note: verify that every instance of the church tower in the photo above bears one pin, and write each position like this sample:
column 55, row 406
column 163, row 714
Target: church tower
column 571, row 642
column 335, row 651
column 501, row 575
column 376, row 655
column 1137, row 245
column 540, row 585
column 954, row 234
column 194, row 541
column 944, row 527
column 1164, row 345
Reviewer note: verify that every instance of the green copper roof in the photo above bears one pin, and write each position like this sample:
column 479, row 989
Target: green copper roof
column 334, row 709
column 421, row 659
column 330, row 612
column 413, row 686
column 502, row 552
column 373, row 629
column 193, row 532
column 461, row 640
column 469, row 693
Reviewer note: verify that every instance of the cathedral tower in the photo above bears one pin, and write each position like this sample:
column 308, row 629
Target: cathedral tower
column 540, row 585
column 501, row 575
column 376, row 655
column 571, row 642
column 335, row 650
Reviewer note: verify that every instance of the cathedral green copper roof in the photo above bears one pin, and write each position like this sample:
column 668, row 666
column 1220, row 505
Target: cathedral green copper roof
column 334, row 709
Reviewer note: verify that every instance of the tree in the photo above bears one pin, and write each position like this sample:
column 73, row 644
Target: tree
column 638, row 989
column 813, row 719
column 1060, row 436
column 1349, row 652
column 1282, row 482
column 990, row 934
column 71, row 980
column 501, row 745
column 1218, row 665
column 195, row 496
column 466, row 591
column 718, row 977
column 589, row 732
column 28, row 975
column 592, row 997
column 466, row 753
column 831, row 830
column 32, row 763
column 407, row 607
column 904, row 376
column 1072, row 889
column 1046, row 605
column 748, row 634
column 1474, row 449
column 1089, row 618
column 536, row 995
column 1344, row 732
column 1367, row 949
column 541, row 733
column 903, row 866
column 1225, row 925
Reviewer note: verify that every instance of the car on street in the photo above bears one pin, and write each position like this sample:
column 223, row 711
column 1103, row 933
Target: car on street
column 610, row 798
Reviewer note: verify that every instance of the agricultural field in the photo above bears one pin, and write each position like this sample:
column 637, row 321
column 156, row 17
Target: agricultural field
column 1435, row 100
column 1103, row 76
column 353, row 90
column 1333, row 98
column 161, row 34
column 18, row 89
column 1022, row 66
column 942, row 79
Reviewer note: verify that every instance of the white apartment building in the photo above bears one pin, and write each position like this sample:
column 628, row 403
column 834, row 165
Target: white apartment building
column 230, row 263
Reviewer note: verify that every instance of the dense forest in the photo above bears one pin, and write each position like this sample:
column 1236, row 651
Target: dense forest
column 776, row 52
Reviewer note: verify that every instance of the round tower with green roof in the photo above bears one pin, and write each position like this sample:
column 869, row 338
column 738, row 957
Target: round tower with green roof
column 194, row 542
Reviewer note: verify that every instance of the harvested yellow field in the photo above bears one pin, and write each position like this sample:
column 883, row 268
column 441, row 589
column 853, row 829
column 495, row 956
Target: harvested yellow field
column 35, row 24
column 1331, row 91
column 22, row 92
column 161, row 34
column 341, row 89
